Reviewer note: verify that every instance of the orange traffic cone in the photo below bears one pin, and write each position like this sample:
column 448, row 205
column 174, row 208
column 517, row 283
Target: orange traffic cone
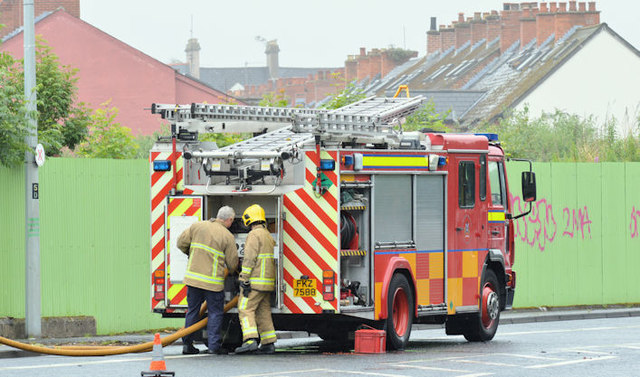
column 158, row 368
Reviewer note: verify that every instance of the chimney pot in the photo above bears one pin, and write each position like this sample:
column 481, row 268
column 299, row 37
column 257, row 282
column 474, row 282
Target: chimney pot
column 433, row 24
column 554, row 7
column 572, row 6
column 582, row 7
column 592, row 6
column 477, row 15
column 563, row 7
column 460, row 17
column 543, row 8
column 494, row 12
column 363, row 51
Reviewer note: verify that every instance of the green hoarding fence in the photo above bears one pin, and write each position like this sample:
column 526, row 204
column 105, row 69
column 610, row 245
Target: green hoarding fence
column 581, row 243
column 579, row 246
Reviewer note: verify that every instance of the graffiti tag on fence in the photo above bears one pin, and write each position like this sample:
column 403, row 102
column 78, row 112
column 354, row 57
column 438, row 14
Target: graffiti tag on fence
column 633, row 225
column 540, row 228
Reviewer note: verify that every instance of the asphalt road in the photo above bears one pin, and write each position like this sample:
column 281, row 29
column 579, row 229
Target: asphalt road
column 589, row 347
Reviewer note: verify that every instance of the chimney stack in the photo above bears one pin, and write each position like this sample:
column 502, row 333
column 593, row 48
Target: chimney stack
column 272, row 51
column 193, row 57
column 462, row 31
column 433, row 38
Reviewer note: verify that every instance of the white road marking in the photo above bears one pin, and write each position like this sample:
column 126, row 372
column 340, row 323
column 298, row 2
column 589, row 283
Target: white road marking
column 476, row 375
column 568, row 362
column 486, row 363
column 333, row 371
column 527, row 356
column 78, row 364
column 432, row 368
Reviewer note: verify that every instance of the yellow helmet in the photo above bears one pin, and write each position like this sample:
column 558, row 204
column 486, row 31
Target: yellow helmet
column 253, row 214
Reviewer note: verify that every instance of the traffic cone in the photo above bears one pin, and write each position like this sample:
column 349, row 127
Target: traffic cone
column 157, row 368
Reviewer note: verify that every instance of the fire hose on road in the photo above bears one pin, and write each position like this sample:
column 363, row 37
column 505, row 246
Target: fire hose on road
column 115, row 350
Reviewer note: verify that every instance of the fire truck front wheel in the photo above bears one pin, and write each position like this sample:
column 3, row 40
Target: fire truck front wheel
column 483, row 326
column 400, row 309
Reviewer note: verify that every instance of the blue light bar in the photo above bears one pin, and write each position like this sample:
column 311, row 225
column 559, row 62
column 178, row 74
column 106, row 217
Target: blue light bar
column 327, row 165
column 489, row 136
column 161, row 165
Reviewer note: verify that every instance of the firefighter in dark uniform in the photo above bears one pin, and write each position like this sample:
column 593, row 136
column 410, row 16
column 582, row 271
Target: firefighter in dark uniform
column 257, row 281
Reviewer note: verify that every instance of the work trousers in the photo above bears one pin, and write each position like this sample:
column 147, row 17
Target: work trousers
column 254, row 313
column 215, row 307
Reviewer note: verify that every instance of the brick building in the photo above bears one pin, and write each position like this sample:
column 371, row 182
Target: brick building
column 302, row 86
column 12, row 16
column 544, row 56
column 111, row 70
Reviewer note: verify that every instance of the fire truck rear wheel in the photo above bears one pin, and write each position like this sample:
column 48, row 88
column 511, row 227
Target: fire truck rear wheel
column 400, row 312
column 483, row 325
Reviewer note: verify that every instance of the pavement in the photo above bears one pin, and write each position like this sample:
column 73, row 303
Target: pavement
column 542, row 314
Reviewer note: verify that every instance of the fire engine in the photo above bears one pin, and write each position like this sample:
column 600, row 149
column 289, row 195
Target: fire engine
column 374, row 226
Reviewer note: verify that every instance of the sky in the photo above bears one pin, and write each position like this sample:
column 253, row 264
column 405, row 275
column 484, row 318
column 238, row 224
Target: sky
column 310, row 33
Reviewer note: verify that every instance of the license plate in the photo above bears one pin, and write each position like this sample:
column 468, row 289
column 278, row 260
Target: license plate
column 304, row 287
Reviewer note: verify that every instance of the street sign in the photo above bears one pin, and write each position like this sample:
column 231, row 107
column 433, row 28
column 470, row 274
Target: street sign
column 40, row 155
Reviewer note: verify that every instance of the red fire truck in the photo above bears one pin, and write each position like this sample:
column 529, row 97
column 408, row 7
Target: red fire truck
column 373, row 225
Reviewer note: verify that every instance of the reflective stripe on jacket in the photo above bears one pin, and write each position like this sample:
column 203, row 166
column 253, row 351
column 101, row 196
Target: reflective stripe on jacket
column 210, row 246
column 258, row 265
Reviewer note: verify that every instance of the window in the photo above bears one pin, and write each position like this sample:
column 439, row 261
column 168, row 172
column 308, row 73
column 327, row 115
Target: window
column 466, row 184
column 495, row 184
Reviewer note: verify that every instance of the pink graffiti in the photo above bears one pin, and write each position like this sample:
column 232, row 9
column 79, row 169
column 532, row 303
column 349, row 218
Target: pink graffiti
column 633, row 225
column 576, row 222
column 539, row 228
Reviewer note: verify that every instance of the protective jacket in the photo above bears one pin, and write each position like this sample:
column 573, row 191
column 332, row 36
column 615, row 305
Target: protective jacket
column 259, row 266
column 210, row 246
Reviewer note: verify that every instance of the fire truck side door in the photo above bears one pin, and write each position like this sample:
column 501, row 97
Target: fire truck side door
column 181, row 212
column 466, row 235
column 497, row 204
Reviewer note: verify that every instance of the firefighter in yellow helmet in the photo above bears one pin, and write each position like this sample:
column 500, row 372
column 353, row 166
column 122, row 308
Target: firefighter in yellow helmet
column 257, row 281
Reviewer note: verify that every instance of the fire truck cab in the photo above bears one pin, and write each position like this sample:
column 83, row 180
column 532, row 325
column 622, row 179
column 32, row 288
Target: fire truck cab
column 372, row 225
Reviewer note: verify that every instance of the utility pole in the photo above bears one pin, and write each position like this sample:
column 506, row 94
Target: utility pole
column 33, row 323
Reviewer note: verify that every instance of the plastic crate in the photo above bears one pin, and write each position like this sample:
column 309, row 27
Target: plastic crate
column 371, row 341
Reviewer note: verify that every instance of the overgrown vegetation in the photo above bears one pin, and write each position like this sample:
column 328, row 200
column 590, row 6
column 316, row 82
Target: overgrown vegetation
column 400, row 55
column 107, row 138
column 349, row 95
column 427, row 119
column 564, row 137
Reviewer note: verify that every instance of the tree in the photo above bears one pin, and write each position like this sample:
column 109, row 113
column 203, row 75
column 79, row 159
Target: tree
column 13, row 125
column 60, row 121
column 349, row 95
column 107, row 138
column 427, row 118
column 272, row 99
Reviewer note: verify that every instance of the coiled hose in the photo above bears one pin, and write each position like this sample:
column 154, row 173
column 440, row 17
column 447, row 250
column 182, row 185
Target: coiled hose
column 116, row 350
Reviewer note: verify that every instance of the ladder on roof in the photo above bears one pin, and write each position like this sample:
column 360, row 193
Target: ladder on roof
column 371, row 117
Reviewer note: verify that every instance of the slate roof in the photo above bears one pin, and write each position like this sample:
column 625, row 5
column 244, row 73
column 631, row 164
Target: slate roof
column 223, row 79
column 478, row 82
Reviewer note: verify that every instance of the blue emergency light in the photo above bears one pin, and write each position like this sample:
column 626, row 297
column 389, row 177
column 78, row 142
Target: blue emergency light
column 327, row 165
column 489, row 136
column 161, row 165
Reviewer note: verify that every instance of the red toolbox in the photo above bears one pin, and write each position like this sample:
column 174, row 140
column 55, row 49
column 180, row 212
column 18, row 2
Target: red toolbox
column 371, row 341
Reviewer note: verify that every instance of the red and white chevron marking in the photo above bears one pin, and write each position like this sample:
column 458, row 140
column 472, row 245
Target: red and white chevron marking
column 310, row 238
column 161, row 183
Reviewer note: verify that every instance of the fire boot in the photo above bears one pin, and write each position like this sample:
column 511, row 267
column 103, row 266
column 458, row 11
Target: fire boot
column 189, row 349
column 267, row 349
column 250, row 345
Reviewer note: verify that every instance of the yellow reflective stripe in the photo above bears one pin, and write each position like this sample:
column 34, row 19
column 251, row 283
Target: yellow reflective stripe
column 204, row 278
column 246, row 270
column 262, row 280
column 207, row 248
column 267, row 334
column 496, row 216
column 243, row 303
column 265, row 256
